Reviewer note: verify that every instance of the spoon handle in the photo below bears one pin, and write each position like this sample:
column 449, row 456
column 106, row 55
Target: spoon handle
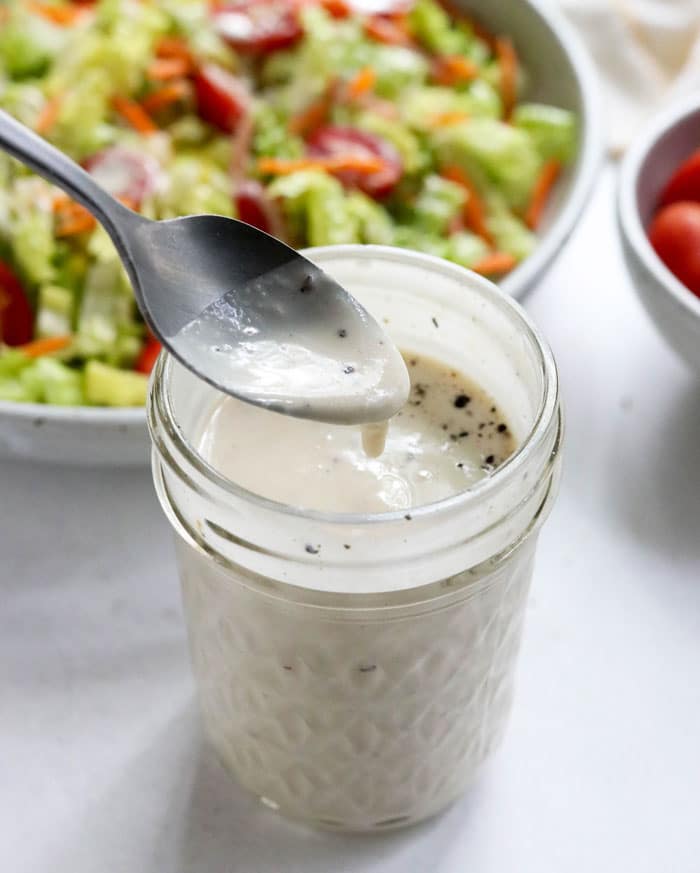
column 40, row 156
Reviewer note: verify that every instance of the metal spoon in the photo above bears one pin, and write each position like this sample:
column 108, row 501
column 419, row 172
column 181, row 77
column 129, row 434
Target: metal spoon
column 239, row 308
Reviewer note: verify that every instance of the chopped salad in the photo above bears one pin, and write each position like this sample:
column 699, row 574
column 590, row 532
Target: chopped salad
column 319, row 121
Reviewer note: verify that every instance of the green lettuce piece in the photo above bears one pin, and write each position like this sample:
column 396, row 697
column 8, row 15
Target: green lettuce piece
column 317, row 207
column 509, row 233
column 14, row 391
column 110, row 386
column 420, row 107
column 466, row 248
column 53, row 382
column 272, row 137
column 106, row 304
column 12, row 362
column 54, row 315
column 195, row 185
column 414, row 156
column 28, row 45
column 396, row 69
column 409, row 237
column 438, row 202
column 553, row 130
column 32, row 238
column 505, row 154
column 375, row 224
column 440, row 33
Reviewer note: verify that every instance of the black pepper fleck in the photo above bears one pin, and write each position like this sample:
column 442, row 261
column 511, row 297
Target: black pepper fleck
column 490, row 459
column 419, row 389
column 408, row 516
column 413, row 362
column 39, row 422
column 435, row 321
column 342, row 333
column 312, row 550
column 453, row 437
column 501, row 428
column 286, row 667
column 367, row 668
column 307, row 285
column 493, row 409
column 482, row 425
column 349, row 369
column 460, row 464
column 346, row 545
column 444, row 427
column 461, row 400
column 463, row 434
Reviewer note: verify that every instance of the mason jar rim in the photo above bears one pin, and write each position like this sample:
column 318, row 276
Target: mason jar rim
column 161, row 402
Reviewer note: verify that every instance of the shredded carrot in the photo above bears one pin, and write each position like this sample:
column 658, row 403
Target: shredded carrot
column 540, row 193
column 40, row 347
column 135, row 115
column 391, row 31
column 494, row 263
column 508, row 63
column 64, row 16
column 445, row 119
column 335, row 164
column 362, row 83
column 72, row 219
column 453, row 70
column 163, row 69
column 171, row 93
column 474, row 211
column 336, row 8
column 315, row 113
column 48, row 115
column 172, row 47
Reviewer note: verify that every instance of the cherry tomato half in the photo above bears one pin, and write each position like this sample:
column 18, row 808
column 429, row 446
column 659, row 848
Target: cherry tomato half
column 222, row 99
column 149, row 354
column 124, row 172
column 335, row 140
column 258, row 26
column 684, row 183
column 16, row 317
column 675, row 235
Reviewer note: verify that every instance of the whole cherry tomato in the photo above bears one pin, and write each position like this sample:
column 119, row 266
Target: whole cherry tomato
column 684, row 183
column 16, row 317
column 675, row 235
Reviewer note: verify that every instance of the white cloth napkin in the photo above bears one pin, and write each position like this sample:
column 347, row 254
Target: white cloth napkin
column 647, row 52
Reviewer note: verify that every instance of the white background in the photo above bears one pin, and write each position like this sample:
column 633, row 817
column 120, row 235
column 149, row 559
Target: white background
column 103, row 768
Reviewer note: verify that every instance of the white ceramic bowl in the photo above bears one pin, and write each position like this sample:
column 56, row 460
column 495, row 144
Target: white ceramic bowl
column 647, row 167
column 559, row 72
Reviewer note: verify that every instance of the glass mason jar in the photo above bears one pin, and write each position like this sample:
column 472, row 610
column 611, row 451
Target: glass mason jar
column 354, row 670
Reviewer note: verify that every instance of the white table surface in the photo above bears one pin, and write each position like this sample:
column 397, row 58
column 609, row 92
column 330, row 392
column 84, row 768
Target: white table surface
column 103, row 768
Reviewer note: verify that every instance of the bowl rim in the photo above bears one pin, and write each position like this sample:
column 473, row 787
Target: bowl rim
column 591, row 149
column 517, row 284
column 629, row 216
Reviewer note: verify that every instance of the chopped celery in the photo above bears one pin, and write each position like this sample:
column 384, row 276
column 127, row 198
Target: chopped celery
column 317, row 202
column 437, row 31
column 467, row 248
column 50, row 381
column 272, row 138
column 509, row 232
column 505, row 154
column 553, row 130
column 375, row 224
column 33, row 242
column 196, row 184
column 409, row 237
column 12, row 361
column 397, row 68
column 109, row 386
column 13, row 390
column 438, row 202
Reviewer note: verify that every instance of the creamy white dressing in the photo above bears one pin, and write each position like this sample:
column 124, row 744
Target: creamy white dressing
column 447, row 437
column 292, row 340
